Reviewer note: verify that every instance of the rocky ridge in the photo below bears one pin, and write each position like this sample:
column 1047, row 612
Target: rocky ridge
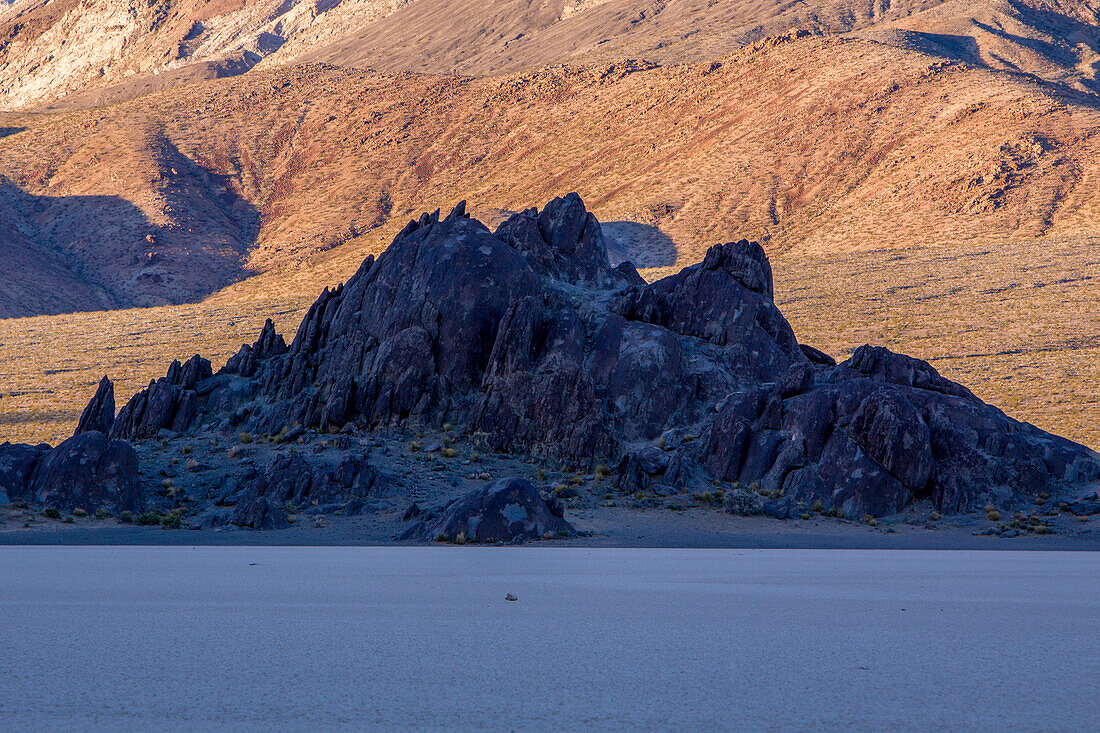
column 527, row 341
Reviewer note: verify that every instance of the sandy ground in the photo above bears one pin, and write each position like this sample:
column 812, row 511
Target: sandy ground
column 598, row 527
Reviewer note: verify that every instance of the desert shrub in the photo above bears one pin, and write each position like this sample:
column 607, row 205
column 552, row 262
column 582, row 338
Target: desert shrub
column 745, row 503
column 540, row 474
column 126, row 517
column 147, row 519
column 705, row 497
column 602, row 471
column 79, row 512
column 245, row 438
column 993, row 515
column 51, row 513
column 448, row 452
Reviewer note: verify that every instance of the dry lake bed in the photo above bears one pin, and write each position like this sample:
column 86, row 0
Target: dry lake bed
column 280, row 638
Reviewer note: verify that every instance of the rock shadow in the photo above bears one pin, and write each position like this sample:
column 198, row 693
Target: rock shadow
column 643, row 245
column 62, row 254
column 957, row 48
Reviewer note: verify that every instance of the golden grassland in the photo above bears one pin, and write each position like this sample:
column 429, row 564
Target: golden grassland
column 1018, row 323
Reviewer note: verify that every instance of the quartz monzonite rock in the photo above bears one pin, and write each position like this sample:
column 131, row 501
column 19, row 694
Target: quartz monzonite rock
column 530, row 339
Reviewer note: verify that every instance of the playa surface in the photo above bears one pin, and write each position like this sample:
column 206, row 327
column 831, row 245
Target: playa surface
column 391, row 638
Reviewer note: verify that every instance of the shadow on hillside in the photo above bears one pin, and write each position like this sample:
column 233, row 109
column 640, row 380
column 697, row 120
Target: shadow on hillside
column 957, row 48
column 63, row 254
column 643, row 245
column 1058, row 25
column 5, row 131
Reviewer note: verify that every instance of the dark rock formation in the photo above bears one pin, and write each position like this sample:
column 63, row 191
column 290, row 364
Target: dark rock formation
column 91, row 472
column 259, row 513
column 99, row 415
column 869, row 435
column 168, row 403
column 529, row 338
column 509, row 510
column 246, row 361
column 293, row 480
column 17, row 464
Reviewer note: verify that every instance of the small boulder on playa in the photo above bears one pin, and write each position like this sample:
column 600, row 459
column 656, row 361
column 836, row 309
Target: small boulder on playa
column 508, row 510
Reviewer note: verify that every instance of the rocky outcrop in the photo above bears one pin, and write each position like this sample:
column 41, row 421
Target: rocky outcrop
column 259, row 513
column 99, row 415
column 246, row 362
column 872, row 434
column 528, row 338
column 90, row 472
column 508, row 510
column 294, row 480
column 17, row 464
column 168, row 403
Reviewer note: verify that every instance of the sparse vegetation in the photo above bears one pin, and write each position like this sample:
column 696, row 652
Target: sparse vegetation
column 51, row 513
column 80, row 513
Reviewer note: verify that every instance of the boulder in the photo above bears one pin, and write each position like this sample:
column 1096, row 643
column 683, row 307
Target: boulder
column 91, row 472
column 508, row 510
column 17, row 464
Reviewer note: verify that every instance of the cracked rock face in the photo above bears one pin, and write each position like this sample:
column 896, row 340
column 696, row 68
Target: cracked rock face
column 529, row 338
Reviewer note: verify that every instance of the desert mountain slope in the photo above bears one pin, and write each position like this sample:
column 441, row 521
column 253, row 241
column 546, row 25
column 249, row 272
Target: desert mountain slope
column 135, row 221
column 815, row 144
column 53, row 48
column 88, row 52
